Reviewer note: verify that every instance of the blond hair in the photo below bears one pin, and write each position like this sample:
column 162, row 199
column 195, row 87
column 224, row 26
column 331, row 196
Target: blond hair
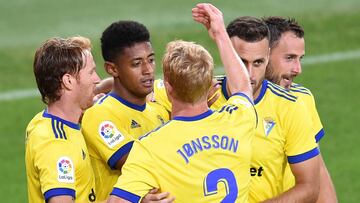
column 188, row 67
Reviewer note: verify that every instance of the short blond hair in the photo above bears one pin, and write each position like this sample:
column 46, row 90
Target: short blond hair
column 188, row 67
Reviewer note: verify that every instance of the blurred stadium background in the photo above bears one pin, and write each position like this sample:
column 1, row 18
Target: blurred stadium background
column 330, row 68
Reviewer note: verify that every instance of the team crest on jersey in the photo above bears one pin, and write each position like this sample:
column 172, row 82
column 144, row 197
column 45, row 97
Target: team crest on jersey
column 134, row 124
column 66, row 170
column 110, row 134
column 269, row 124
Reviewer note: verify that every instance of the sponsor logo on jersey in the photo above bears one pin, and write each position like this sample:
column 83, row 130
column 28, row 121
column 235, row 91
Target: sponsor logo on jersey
column 134, row 124
column 269, row 124
column 110, row 134
column 65, row 169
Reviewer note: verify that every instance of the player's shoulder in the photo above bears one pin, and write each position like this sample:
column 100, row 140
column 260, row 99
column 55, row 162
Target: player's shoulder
column 278, row 92
column 46, row 128
column 298, row 90
column 157, row 133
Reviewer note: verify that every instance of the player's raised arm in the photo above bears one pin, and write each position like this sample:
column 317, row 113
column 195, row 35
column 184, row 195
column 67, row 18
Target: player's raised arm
column 235, row 70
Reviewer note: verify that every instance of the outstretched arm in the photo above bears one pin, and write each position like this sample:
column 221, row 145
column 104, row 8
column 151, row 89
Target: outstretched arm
column 235, row 70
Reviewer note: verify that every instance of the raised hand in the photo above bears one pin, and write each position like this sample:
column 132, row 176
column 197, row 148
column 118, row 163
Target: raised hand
column 211, row 18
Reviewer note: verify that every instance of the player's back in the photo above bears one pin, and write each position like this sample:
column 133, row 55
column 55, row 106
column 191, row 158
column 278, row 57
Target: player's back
column 189, row 156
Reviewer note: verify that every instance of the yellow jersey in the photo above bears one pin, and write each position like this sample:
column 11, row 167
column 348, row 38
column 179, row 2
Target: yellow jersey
column 109, row 128
column 309, row 100
column 285, row 134
column 160, row 96
column 205, row 158
column 57, row 160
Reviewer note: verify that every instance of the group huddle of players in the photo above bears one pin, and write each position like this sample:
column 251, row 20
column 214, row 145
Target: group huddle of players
column 254, row 138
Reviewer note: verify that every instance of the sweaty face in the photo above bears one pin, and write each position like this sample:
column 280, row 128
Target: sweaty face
column 136, row 65
column 87, row 80
column 285, row 59
column 255, row 56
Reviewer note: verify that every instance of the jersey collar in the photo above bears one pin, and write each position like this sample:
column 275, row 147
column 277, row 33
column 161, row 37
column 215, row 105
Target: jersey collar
column 262, row 92
column 194, row 118
column 75, row 126
column 127, row 103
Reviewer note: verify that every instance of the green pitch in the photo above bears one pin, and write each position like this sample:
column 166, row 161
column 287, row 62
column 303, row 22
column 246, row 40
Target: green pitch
column 330, row 26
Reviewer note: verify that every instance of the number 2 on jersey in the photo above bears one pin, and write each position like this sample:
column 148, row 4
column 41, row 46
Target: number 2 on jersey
column 225, row 176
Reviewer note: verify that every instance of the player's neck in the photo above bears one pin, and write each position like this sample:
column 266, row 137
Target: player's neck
column 256, row 93
column 65, row 110
column 188, row 110
column 128, row 96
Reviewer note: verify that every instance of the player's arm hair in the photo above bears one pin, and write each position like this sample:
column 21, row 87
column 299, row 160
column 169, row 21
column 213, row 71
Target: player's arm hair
column 327, row 192
column 62, row 199
column 307, row 183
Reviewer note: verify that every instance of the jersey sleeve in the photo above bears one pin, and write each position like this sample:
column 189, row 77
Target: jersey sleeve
column 56, row 162
column 160, row 95
column 104, row 138
column 138, row 175
column 318, row 127
column 300, row 142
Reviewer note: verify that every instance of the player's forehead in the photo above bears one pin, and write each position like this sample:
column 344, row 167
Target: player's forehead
column 289, row 43
column 138, row 50
column 251, row 51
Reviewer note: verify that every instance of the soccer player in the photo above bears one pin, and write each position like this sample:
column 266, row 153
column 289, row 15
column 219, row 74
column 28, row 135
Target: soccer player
column 123, row 115
column 285, row 135
column 287, row 49
column 198, row 148
column 58, row 165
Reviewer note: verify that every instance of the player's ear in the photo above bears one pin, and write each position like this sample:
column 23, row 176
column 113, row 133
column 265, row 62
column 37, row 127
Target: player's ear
column 68, row 81
column 169, row 90
column 110, row 68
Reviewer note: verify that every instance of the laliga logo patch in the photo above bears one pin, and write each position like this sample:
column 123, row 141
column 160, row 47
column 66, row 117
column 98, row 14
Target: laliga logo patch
column 65, row 169
column 110, row 134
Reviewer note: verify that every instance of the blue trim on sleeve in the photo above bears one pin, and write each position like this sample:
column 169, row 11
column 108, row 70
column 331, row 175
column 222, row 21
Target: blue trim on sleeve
column 57, row 192
column 194, row 118
column 75, row 126
column 243, row 95
column 319, row 135
column 119, row 154
column 262, row 92
column 127, row 103
column 303, row 157
column 125, row 195
column 223, row 89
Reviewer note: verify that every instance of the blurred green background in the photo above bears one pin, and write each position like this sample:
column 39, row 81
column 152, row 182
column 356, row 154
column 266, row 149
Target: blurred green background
column 331, row 26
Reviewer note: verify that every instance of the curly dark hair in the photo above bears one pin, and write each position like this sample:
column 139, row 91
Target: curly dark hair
column 248, row 28
column 54, row 58
column 279, row 25
column 120, row 35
